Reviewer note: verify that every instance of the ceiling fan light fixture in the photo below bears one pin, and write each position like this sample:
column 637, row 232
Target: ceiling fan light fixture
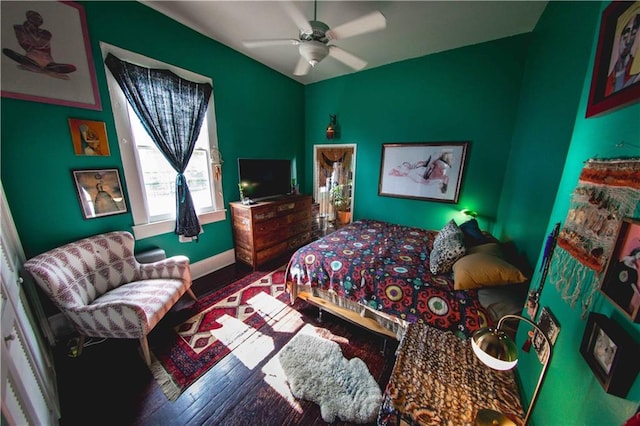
column 313, row 51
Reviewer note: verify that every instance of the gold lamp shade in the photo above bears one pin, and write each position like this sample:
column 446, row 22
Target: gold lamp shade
column 495, row 348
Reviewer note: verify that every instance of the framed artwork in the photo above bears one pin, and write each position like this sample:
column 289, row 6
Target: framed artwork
column 547, row 323
column 89, row 137
column 610, row 353
column 46, row 54
column 424, row 171
column 100, row 192
column 616, row 72
column 621, row 282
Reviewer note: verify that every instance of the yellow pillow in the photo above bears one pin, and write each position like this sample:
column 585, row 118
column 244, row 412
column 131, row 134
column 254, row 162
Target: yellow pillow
column 484, row 269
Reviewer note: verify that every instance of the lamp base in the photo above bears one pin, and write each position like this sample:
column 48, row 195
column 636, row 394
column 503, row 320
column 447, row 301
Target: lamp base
column 486, row 417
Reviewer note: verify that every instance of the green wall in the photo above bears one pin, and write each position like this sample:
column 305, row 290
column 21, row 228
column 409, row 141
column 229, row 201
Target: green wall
column 37, row 154
column 468, row 94
column 571, row 395
column 557, row 59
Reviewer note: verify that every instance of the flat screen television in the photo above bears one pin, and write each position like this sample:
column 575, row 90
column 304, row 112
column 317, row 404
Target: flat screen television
column 262, row 178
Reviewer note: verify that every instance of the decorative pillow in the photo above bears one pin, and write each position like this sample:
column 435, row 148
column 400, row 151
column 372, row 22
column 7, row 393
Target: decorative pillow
column 450, row 228
column 484, row 267
column 448, row 247
column 473, row 236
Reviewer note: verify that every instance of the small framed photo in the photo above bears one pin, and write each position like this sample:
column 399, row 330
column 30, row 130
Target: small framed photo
column 547, row 323
column 423, row 171
column 100, row 192
column 621, row 282
column 89, row 137
column 616, row 72
column 610, row 353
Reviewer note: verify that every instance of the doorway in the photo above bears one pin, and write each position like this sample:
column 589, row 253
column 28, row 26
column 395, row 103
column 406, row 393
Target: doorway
column 333, row 182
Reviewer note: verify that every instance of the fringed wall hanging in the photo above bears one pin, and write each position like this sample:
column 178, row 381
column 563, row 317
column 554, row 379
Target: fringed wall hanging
column 607, row 191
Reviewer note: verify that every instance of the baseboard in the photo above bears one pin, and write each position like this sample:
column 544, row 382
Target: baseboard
column 211, row 264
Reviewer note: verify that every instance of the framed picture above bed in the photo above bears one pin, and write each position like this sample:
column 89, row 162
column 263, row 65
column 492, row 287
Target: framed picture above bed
column 425, row 171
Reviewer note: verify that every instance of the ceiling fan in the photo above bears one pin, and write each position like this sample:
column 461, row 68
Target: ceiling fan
column 315, row 36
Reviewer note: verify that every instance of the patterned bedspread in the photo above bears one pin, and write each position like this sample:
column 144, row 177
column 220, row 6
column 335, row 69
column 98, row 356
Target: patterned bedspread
column 437, row 380
column 386, row 267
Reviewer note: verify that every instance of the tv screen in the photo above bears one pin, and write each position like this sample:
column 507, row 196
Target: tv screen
column 264, row 178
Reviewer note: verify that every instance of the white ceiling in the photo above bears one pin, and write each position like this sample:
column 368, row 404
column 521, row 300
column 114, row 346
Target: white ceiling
column 414, row 28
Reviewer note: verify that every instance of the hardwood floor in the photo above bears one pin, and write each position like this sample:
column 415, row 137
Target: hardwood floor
column 110, row 384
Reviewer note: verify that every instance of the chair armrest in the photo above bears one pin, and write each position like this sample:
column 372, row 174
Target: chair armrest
column 171, row 267
column 89, row 320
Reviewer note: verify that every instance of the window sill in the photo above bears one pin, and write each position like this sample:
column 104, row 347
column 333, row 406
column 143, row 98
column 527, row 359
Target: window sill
column 148, row 230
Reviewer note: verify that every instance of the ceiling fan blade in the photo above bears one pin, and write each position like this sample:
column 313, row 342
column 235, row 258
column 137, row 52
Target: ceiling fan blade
column 347, row 58
column 296, row 16
column 373, row 21
column 270, row 42
column 302, row 67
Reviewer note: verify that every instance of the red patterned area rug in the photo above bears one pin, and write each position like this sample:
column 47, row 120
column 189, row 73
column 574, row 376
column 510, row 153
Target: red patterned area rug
column 223, row 320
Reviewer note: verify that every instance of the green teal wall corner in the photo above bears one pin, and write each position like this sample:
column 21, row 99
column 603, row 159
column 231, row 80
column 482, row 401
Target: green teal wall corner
column 468, row 94
column 571, row 394
column 37, row 155
column 557, row 59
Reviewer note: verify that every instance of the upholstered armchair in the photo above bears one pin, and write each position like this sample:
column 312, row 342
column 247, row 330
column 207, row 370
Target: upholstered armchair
column 102, row 289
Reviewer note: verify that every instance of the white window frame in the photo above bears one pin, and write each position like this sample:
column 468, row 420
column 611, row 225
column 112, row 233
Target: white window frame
column 143, row 227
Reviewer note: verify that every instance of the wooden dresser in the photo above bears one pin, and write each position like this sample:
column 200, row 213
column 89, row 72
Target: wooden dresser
column 269, row 229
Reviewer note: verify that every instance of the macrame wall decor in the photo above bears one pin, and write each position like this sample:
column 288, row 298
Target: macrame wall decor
column 607, row 191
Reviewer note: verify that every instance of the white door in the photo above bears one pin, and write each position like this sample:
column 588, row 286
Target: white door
column 29, row 390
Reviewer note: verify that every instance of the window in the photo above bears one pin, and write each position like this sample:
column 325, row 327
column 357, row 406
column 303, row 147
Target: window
column 149, row 177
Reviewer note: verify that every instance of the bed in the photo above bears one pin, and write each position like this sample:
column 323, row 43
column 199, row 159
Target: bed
column 382, row 276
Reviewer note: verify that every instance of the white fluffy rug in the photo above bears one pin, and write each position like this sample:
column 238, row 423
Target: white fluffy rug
column 317, row 371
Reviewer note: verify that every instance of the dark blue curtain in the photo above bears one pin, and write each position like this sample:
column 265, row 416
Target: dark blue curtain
column 172, row 110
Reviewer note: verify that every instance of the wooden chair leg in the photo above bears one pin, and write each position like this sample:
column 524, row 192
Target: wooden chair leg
column 144, row 345
column 80, row 344
column 192, row 294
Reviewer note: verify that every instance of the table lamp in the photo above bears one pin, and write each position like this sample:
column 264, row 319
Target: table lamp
column 497, row 350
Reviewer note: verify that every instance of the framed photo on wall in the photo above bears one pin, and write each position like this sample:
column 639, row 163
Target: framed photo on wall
column 547, row 323
column 610, row 353
column 424, row 171
column 46, row 54
column 99, row 192
column 616, row 71
column 89, row 137
column 621, row 282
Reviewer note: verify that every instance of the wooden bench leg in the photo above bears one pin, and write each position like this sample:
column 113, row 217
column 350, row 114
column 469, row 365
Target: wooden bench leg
column 144, row 345
column 192, row 294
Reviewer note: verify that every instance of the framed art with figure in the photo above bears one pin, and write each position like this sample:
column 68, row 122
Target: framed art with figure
column 621, row 283
column 89, row 137
column 616, row 72
column 425, row 171
column 611, row 353
column 100, row 192
column 46, row 54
